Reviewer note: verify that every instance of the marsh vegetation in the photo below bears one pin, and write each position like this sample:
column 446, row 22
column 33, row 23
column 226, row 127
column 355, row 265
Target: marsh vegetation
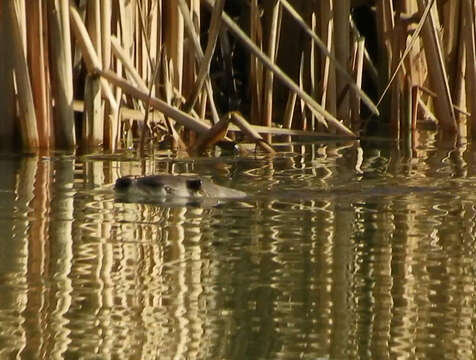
column 191, row 74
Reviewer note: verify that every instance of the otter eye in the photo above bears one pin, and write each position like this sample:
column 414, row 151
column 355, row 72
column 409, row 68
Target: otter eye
column 123, row 183
column 194, row 184
column 168, row 189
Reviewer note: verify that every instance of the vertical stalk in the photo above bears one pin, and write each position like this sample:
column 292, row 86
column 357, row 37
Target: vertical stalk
column 26, row 106
column 328, row 72
column 38, row 71
column 437, row 71
column 272, row 52
column 342, row 51
column 62, row 72
column 7, row 98
column 174, row 37
column 470, row 39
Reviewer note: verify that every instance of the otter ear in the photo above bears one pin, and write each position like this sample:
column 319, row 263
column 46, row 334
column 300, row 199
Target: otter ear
column 194, row 184
column 123, row 183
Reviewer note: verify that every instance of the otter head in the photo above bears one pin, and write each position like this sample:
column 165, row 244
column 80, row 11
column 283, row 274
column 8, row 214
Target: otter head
column 123, row 183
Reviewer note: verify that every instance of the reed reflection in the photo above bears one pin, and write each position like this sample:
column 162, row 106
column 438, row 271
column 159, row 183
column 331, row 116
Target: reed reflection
column 358, row 252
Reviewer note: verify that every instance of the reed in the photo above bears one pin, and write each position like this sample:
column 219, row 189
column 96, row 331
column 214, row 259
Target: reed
column 195, row 64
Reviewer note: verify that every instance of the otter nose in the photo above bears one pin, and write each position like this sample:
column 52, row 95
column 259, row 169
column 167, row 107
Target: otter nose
column 123, row 183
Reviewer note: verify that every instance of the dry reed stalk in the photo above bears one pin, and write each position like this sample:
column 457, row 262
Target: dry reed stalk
column 457, row 84
column 38, row 71
column 413, row 41
column 328, row 10
column 385, row 25
column 328, row 72
column 397, row 111
column 289, row 110
column 93, row 24
column 358, row 66
column 415, row 99
column 7, row 98
column 250, row 46
column 247, row 129
column 61, row 71
column 92, row 115
column 204, row 66
column 199, row 55
column 189, row 69
column 273, row 36
column 26, row 106
column 436, row 68
column 168, row 110
column 216, row 133
column 313, row 67
column 342, row 49
column 174, row 38
column 106, row 15
column 93, row 118
column 302, row 103
column 93, row 66
column 470, row 42
column 126, row 61
column 256, row 68
column 451, row 43
column 177, row 115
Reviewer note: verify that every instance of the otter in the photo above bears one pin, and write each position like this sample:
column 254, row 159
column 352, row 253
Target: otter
column 165, row 188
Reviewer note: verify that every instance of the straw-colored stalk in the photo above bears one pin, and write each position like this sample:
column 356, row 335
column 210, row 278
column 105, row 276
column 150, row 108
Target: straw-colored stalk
column 342, row 52
column 94, row 66
column 61, row 71
column 470, row 36
column 240, row 121
column 342, row 69
column 437, row 71
column 204, row 66
column 357, row 66
column 7, row 99
column 200, row 57
column 93, row 119
column 26, row 106
column 302, row 103
column 256, row 68
column 385, row 25
column 273, row 37
column 174, row 37
column 311, row 103
column 37, row 48
column 328, row 72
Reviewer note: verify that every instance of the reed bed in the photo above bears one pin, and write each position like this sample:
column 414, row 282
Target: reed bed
column 107, row 72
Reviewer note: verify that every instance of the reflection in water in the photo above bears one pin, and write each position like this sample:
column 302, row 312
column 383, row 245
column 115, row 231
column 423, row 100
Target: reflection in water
column 341, row 252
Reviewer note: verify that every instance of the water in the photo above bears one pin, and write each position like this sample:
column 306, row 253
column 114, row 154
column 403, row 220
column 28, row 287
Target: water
column 342, row 251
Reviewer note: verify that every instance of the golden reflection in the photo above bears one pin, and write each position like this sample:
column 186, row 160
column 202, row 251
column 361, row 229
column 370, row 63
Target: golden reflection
column 345, row 252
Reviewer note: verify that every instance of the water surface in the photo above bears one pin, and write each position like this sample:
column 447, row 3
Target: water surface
column 341, row 251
